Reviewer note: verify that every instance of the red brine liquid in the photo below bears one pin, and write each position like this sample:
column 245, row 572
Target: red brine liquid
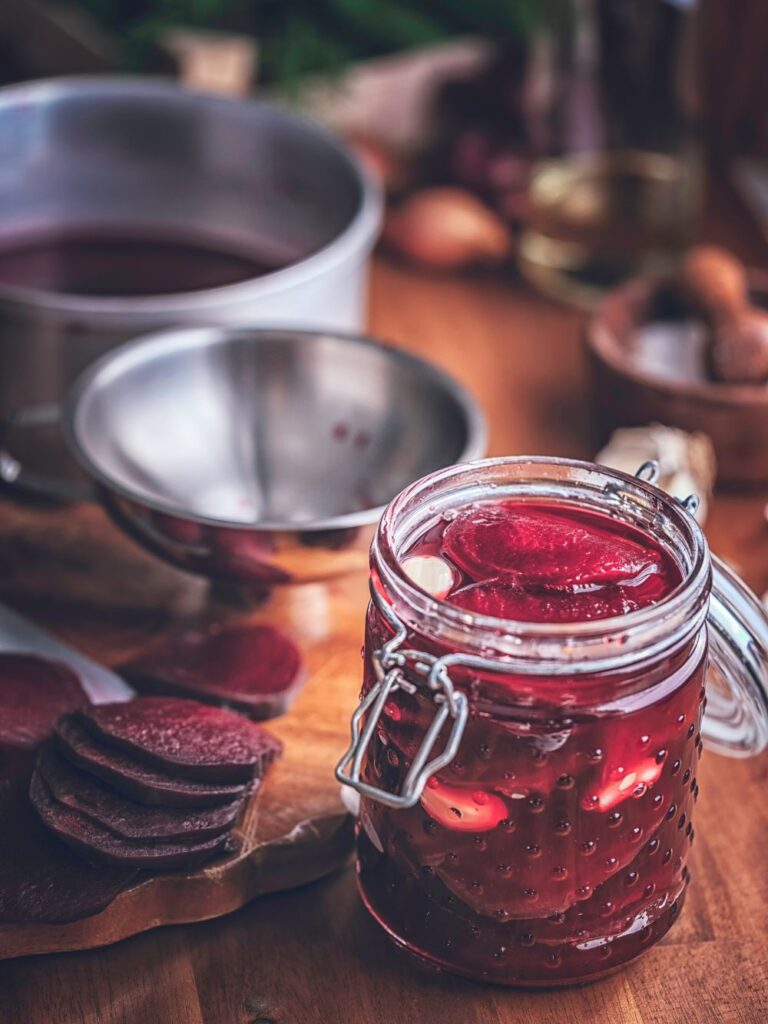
column 115, row 263
column 553, row 848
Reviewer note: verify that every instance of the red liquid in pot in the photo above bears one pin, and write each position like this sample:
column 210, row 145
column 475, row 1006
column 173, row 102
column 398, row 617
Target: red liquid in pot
column 111, row 264
column 553, row 848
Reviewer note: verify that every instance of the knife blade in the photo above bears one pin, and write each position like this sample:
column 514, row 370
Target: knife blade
column 19, row 635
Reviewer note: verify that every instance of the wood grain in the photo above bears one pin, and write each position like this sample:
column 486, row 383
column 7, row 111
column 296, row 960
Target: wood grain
column 296, row 829
column 311, row 956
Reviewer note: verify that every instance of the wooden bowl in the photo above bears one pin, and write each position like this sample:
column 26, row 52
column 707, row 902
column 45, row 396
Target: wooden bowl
column 632, row 388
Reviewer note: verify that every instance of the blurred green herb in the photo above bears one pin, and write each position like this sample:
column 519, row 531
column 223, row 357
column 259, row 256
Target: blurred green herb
column 299, row 37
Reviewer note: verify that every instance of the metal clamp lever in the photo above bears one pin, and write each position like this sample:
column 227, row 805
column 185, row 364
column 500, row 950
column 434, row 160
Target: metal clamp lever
column 389, row 663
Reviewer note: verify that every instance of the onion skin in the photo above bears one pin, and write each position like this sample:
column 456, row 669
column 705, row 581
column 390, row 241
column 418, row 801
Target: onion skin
column 447, row 228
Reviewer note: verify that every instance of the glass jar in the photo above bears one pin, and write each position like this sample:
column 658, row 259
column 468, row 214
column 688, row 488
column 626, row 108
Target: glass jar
column 527, row 789
column 620, row 192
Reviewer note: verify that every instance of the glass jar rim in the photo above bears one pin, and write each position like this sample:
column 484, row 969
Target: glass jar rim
column 554, row 648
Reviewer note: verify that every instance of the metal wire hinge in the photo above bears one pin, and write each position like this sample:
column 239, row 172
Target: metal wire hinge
column 650, row 472
column 390, row 663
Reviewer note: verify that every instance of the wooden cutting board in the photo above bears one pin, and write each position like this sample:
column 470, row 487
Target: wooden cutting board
column 296, row 829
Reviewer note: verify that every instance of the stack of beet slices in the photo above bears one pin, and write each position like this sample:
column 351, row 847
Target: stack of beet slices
column 156, row 782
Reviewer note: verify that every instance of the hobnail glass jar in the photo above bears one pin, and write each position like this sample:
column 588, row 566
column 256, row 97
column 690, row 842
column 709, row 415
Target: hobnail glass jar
column 528, row 789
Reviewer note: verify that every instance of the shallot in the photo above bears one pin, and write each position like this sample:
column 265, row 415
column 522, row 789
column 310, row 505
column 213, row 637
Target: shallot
column 447, row 228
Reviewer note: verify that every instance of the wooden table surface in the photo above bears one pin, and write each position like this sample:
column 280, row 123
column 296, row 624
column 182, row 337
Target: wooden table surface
column 311, row 956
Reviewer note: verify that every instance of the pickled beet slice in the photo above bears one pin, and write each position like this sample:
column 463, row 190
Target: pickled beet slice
column 539, row 546
column 34, row 693
column 129, row 776
column 581, row 806
column 511, row 601
column 98, row 844
column 185, row 737
column 254, row 668
column 541, row 858
column 83, row 793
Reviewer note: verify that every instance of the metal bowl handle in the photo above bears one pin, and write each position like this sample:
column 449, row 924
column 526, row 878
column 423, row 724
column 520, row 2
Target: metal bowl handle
column 18, row 479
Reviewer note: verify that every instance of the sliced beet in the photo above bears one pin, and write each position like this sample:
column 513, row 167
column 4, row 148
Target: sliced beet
column 185, row 737
column 100, row 845
column 543, row 547
column 509, row 601
column 255, row 668
column 34, row 693
column 245, row 554
column 82, row 793
column 41, row 880
column 132, row 777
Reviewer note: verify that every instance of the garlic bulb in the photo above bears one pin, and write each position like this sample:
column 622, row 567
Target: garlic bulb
column 686, row 461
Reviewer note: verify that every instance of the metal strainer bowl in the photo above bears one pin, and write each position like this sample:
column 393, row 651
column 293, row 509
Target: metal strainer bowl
column 260, row 455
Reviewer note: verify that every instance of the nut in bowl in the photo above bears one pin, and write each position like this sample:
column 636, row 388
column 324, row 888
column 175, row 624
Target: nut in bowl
column 689, row 352
column 259, row 456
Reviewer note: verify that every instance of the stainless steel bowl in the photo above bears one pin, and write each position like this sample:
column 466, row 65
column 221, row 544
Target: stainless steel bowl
column 261, row 456
column 145, row 156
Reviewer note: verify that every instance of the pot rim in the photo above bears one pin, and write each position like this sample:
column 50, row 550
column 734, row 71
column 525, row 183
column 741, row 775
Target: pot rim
column 358, row 236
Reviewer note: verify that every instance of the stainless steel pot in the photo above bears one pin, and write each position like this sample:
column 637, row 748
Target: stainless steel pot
column 261, row 456
column 145, row 154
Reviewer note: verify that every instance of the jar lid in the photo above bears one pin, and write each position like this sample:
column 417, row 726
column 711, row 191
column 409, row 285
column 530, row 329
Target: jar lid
column 736, row 719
